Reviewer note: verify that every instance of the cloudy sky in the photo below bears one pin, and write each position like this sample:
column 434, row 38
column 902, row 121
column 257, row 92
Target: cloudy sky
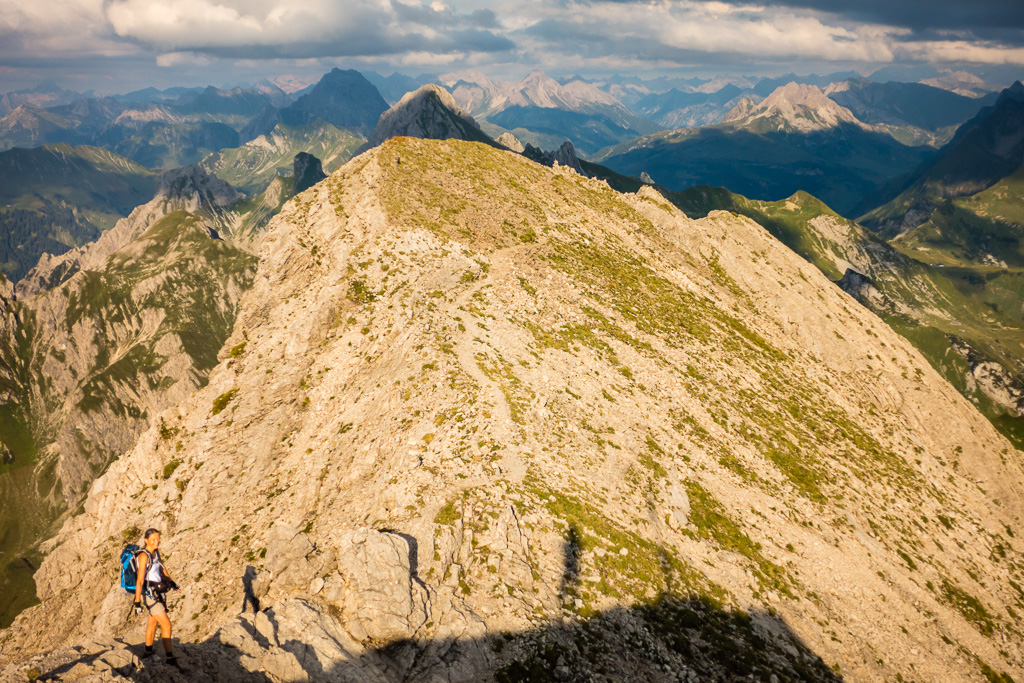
column 117, row 45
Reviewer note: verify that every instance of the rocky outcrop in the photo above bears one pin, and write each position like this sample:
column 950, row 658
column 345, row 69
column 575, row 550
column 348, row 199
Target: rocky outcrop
column 307, row 171
column 480, row 419
column 564, row 156
column 855, row 284
column 511, row 141
column 9, row 379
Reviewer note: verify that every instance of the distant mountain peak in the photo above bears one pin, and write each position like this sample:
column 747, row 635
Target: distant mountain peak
column 540, row 90
column 798, row 107
column 470, row 76
column 193, row 189
column 428, row 112
column 343, row 98
column 962, row 83
column 47, row 86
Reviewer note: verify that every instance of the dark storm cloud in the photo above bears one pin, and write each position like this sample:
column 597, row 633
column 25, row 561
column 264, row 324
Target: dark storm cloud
column 920, row 15
column 1001, row 20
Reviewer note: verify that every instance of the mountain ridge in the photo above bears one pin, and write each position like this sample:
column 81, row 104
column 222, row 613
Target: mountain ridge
column 983, row 150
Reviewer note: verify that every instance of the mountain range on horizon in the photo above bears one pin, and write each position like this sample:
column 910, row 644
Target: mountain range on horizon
column 51, row 114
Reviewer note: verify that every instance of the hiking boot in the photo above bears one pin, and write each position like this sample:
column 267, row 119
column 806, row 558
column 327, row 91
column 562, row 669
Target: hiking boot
column 148, row 652
column 173, row 661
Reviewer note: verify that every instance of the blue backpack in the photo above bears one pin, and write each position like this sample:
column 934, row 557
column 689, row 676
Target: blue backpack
column 130, row 567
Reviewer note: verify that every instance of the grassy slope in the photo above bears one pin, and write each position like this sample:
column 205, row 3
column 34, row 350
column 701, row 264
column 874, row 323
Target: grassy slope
column 933, row 311
column 985, row 227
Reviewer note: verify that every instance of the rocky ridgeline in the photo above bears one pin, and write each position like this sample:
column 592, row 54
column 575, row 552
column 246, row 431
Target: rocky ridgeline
column 478, row 418
column 564, row 156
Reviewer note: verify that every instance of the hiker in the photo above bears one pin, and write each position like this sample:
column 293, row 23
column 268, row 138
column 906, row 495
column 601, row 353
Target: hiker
column 151, row 589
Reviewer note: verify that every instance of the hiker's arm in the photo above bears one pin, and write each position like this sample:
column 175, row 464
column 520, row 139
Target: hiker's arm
column 140, row 580
column 167, row 576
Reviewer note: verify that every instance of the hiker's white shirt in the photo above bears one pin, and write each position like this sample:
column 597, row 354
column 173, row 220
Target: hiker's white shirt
column 153, row 575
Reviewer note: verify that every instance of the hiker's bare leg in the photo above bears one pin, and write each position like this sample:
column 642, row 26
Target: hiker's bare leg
column 165, row 631
column 151, row 631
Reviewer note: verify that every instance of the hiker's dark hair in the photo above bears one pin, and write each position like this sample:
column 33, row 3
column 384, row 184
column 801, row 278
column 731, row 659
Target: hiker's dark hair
column 149, row 532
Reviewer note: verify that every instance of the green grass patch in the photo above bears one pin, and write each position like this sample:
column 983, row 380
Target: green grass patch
column 712, row 523
column 449, row 514
column 968, row 605
column 222, row 401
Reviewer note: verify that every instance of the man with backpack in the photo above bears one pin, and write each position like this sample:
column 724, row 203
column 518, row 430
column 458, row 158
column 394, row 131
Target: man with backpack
column 151, row 584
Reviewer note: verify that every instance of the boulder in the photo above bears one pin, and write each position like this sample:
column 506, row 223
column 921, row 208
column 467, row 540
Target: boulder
column 382, row 601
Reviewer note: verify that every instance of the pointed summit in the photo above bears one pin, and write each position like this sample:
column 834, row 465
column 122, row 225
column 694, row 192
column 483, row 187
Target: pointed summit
column 342, row 98
column 429, row 112
column 193, row 189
